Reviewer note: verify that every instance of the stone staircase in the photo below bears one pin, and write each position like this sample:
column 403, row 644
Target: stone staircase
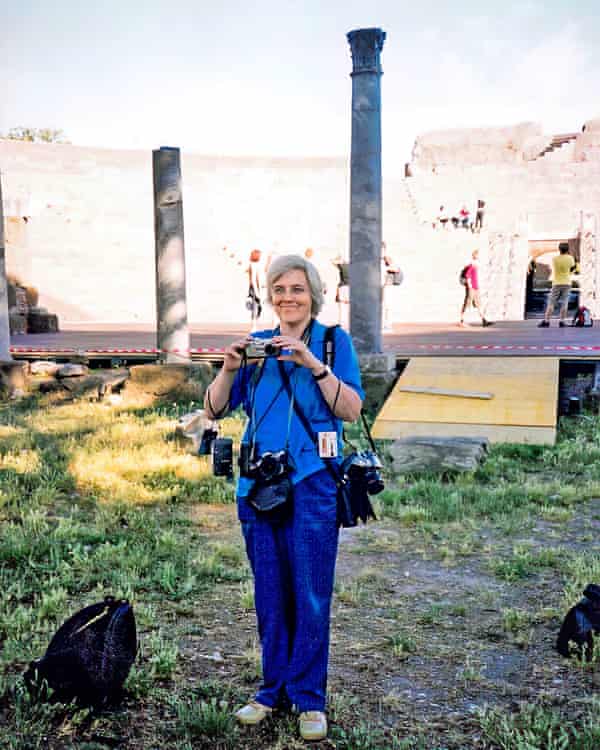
column 557, row 142
column 541, row 198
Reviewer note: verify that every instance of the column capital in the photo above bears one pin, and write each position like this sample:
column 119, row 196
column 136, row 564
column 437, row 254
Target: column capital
column 366, row 46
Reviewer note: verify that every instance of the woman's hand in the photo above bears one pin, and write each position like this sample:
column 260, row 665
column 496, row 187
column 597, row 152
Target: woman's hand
column 233, row 355
column 297, row 351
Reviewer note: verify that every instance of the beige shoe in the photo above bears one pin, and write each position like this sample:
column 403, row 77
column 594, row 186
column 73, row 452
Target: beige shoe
column 313, row 725
column 253, row 713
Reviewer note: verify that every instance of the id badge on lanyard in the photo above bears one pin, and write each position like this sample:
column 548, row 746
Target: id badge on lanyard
column 328, row 444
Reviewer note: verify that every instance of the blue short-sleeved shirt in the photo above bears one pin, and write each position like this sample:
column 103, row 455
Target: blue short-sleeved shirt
column 272, row 404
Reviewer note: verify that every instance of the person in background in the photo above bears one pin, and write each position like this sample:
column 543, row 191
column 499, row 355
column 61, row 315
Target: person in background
column 464, row 216
column 342, row 292
column 530, row 283
column 472, row 290
column 256, row 286
column 442, row 218
column 563, row 266
column 310, row 255
column 391, row 276
column 478, row 226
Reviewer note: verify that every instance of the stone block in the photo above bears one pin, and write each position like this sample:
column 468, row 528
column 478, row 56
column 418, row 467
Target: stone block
column 44, row 367
column 96, row 384
column 437, row 455
column 42, row 323
column 71, row 370
column 178, row 380
column 17, row 323
column 377, row 363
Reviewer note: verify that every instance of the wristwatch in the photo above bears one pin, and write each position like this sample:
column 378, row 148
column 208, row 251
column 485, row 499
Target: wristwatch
column 323, row 374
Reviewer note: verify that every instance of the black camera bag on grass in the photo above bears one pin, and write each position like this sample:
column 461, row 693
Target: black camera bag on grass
column 89, row 657
column 581, row 623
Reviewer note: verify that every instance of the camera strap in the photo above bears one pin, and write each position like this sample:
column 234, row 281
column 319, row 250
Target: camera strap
column 254, row 425
column 336, row 474
column 255, row 380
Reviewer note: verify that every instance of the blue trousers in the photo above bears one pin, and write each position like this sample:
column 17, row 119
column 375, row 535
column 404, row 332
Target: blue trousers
column 293, row 562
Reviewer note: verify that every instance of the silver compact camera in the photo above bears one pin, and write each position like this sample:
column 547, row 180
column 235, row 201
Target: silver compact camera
column 261, row 348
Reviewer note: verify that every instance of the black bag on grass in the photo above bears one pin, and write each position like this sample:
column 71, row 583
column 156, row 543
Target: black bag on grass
column 579, row 626
column 89, row 657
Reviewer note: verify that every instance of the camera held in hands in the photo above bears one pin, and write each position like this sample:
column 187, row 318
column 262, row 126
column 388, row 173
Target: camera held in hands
column 265, row 468
column 363, row 468
column 261, row 348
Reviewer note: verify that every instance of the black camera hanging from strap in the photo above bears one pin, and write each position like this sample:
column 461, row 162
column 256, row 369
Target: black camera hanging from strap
column 357, row 477
column 271, row 494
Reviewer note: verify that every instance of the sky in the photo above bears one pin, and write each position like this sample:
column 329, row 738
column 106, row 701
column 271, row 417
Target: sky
column 271, row 78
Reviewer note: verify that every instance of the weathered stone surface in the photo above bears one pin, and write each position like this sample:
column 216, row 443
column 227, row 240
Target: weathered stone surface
column 475, row 145
column 18, row 323
column 433, row 454
column 172, row 325
column 365, row 190
column 71, row 370
column 188, row 380
column 98, row 383
column 377, row 363
column 44, row 367
column 103, row 282
column 160, row 379
column 501, row 263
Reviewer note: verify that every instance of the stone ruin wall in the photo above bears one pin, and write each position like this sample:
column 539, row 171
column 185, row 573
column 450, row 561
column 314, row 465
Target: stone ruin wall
column 88, row 241
column 533, row 191
column 509, row 145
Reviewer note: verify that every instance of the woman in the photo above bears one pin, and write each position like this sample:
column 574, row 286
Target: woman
column 292, row 558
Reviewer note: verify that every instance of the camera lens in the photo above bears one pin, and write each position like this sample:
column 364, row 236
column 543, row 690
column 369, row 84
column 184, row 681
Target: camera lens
column 268, row 466
column 206, row 442
column 271, row 350
column 374, row 482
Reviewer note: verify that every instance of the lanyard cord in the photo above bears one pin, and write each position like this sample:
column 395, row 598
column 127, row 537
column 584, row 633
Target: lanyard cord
column 254, row 431
column 306, row 335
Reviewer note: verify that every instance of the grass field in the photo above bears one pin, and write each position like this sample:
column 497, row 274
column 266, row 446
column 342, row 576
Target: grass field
column 445, row 614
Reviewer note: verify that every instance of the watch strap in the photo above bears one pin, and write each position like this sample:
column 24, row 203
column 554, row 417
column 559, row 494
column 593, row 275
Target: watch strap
column 326, row 371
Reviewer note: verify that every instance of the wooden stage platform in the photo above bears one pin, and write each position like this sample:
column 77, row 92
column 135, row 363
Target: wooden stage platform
column 138, row 343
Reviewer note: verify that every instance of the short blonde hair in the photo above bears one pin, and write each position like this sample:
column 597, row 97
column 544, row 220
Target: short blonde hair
column 285, row 263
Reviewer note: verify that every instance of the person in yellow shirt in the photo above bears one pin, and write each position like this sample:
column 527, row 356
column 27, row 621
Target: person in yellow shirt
column 563, row 266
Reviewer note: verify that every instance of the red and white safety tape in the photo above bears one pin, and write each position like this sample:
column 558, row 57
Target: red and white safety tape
column 31, row 349
column 219, row 350
column 509, row 347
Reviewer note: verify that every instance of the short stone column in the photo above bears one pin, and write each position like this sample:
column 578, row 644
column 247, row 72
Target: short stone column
column 365, row 191
column 4, row 321
column 172, row 332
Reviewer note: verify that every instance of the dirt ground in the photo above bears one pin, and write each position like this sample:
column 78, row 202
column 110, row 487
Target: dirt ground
column 421, row 637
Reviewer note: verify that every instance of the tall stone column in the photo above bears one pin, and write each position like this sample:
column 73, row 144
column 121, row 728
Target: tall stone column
column 365, row 191
column 172, row 332
column 4, row 321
